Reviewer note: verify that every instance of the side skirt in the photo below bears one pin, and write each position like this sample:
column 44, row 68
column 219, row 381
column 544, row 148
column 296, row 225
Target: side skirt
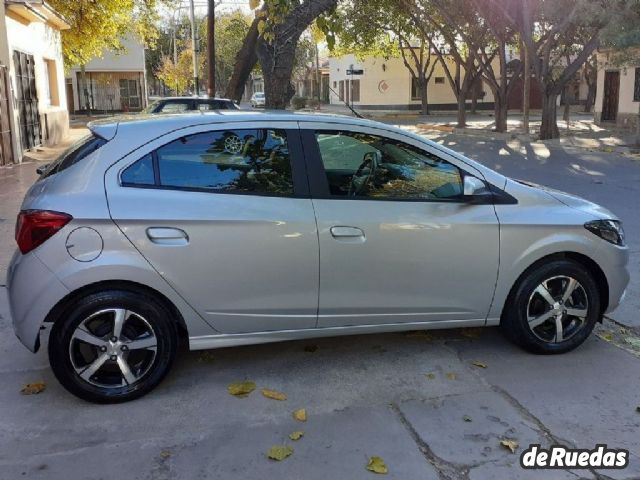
column 236, row 339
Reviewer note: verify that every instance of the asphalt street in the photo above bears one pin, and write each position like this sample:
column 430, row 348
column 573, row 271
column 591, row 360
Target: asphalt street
column 433, row 406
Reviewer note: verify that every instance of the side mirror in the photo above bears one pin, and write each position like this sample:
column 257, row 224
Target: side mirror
column 475, row 191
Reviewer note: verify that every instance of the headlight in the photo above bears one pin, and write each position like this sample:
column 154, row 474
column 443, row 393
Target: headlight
column 609, row 230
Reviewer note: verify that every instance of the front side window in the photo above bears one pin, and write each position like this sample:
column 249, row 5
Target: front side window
column 369, row 166
column 230, row 161
column 175, row 107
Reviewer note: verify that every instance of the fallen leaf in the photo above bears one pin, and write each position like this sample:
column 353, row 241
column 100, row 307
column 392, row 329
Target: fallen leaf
column 279, row 452
column 300, row 415
column 241, row 389
column 430, row 376
column 206, row 357
column 510, row 443
column 33, row 388
column 467, row 418
column 376, row 465
column 310, row 348
column 607, row 336
column 164, row 454
column 451, row 376
column 273, row 394
column 297, row 435
column 471, row 332
column 479, row 364
column 419, row 334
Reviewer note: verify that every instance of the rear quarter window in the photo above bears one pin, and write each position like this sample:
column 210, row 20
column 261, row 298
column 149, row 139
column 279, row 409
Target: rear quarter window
column 75, row 154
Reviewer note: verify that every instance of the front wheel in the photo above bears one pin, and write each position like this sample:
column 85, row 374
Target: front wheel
column 553, row 308
column 113, row 346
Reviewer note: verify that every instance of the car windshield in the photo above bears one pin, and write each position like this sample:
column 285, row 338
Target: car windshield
column 151, row 107
column 259, row 95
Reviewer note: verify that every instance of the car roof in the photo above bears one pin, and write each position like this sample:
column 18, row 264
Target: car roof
column 201, row 97
column 107, row 128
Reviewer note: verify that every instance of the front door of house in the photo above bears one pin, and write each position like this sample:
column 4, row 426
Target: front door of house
column 6, row 147
column 29, row 116
column 610, row 97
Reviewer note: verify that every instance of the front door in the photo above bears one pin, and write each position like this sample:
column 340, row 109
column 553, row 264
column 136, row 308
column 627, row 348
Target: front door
column 610, row 97
column 225, row 217
column 27, row 97
column 397, row 242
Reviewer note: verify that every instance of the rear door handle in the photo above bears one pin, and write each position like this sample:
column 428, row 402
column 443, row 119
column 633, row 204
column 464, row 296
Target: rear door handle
column 347, row 232
column 167, row 236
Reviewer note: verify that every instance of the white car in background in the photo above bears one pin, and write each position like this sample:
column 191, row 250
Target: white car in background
column 257, row 100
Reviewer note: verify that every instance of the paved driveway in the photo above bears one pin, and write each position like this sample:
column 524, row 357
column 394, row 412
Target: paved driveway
column 433, row 406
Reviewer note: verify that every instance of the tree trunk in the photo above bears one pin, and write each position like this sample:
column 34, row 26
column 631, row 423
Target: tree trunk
column 526, row 88
column 462, row 110
column 211, row 49
column 474, row 100
column 424, row 99
column 549, row 127
column 84, row 91
column 245, row 61
column 500, row 112
column 591, row 97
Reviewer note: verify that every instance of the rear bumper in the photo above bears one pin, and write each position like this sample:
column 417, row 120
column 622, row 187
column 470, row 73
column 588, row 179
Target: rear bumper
column 33, row 292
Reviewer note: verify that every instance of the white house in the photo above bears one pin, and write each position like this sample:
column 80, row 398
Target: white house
column 116, row 82
column 33, row 107
column 386, row 84
column 618, row 93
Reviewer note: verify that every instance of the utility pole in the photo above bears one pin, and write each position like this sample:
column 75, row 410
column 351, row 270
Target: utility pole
column 194, row 48
column 211, row 49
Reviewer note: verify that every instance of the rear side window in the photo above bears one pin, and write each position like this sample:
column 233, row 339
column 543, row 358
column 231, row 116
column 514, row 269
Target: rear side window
column 229, row 161
column 76, row 153
column 216, row 105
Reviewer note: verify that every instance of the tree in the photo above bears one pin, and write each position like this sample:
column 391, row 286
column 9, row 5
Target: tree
column 99, row 26
column 381, row 28
column 559, row 36
column 272, row 39
column 179, row 75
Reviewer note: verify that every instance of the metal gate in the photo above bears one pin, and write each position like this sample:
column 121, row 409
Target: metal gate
column 29, row 116
column 6, row 145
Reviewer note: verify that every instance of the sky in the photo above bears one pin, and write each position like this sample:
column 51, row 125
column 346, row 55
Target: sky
column 201, row 7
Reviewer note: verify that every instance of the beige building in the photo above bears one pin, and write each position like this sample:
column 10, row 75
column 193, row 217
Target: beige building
column 618, row 94
column 33, row 106
column 115, row 82
column 386, row 84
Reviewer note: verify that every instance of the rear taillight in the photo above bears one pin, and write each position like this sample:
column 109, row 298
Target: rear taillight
column 34, row 227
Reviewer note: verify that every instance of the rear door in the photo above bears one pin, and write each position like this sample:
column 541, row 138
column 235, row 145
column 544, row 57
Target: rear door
column 224, row 215
column 398, row 243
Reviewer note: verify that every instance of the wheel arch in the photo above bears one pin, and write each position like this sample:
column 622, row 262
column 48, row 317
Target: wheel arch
column 58, row 310
column 580, row 258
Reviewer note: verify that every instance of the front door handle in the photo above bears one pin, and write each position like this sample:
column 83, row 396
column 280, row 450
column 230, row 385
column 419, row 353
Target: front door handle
column 346, row 232
column 167, row 236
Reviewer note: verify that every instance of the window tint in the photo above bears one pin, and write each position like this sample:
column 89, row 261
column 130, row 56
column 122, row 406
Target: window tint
column 140, row 173
column 369, row 166
column 174, row 107
column 253, row 161
column 77, row 152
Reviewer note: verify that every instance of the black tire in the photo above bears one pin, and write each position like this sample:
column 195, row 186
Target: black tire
column 514, row 321
column 154, row 315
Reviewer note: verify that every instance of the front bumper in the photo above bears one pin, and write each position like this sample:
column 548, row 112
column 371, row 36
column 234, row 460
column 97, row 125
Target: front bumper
column 613, row 261
column 33, row 291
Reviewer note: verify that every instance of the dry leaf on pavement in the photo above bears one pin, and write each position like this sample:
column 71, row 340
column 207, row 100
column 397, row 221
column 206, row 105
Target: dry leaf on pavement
column 274, row 394
column 430, row 376
column 33, row 388
column 466, row 418
column 451, row 376
column 510, row 443
column 297, row 435
column 376, row 465
column 479, row 364
column 607, row 336
column 241, row 389
column 471, row 332
column 164, row 454
column 279, row 452
column 300, row 415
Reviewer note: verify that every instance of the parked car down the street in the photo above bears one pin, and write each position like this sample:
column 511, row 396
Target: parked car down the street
column 258, row 100
column 188, row 104
column 240, row 228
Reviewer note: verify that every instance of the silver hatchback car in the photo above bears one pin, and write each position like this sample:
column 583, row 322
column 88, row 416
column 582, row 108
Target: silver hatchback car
column 241, row 228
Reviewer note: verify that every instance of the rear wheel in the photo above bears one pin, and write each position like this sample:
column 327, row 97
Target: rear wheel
column 553, row 308
column 113, row 346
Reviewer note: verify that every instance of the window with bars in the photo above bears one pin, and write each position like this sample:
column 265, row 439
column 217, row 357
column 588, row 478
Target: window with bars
column 636, row 86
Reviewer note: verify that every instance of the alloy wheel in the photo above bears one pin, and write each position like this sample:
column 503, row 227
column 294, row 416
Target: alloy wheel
column 557, row 309
column 113, row 348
